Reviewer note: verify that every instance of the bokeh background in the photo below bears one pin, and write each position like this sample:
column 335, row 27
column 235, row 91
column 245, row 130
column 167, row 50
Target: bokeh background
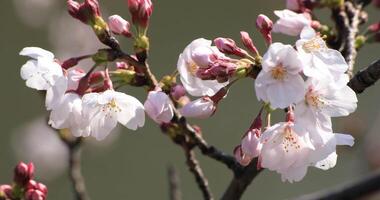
column 133, row 165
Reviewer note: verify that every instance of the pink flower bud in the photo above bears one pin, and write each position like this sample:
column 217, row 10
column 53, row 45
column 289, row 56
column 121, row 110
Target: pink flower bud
column 159, row 107
column 228, row 46
column 34, row 195
column 250, row 144
column 203, row 56
column 295, row 5
column 86, row 12
column 248, row 43
column 141, row 10
column 265, row 26
column 177, row 92
column 374, row 28
column 376, row 3
column 201, row 108
column 119, row 26
column 5, row 191
column 23, row 173
column 242, row 158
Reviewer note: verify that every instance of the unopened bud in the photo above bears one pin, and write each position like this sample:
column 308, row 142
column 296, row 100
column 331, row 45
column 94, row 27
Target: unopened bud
column 242, row 158
column 86, row 12
column 32, row 194
column 177, row 92
column 248, row 43
column 5, row 192
column 376, row 3
column 201, row 108
column 373, row 28
column 265, row 26
column 250, row 144
column 23, row 173
column 141, row 10
column 119, row 26
column 228, row 46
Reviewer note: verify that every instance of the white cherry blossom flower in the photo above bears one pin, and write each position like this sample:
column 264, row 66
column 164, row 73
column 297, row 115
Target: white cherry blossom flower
column 159, row 107
column 104, row 110
column 279, row 81
column 201, row 108
column 290, row 23
column 187, row 68
column 286, row 151
column 55, row 93
column 320, row 61
column 68, row 115
column 323, row 100
column 41, row 71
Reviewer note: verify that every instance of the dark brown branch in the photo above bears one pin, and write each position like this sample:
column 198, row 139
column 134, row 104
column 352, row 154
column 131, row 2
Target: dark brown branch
column 241, row 181
column 365, row 77
column 210, row 150
column 353, row 190
column 75, row 174
column 174, row 185
column 194, row 168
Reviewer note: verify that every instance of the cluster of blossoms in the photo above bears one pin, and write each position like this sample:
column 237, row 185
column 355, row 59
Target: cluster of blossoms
column 24, row 186
column 307, row 79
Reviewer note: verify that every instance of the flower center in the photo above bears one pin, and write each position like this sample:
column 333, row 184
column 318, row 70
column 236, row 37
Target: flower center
column 111, row 106
column 314, row 44
column 192, row 68
column 313, row 99
column 290, row 140
column 278, row 72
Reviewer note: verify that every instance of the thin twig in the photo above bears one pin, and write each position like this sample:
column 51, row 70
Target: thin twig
column 174, row 185
column 355, row 190
column 365, row 77
column 75, row 173
column 195, row 168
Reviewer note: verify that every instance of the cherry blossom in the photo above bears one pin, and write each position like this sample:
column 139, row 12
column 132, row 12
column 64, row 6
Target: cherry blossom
column 69, row 115
column 187, row 68
column 159, row 107
column 319, row 61
column 41, row 72
column 279, row 81
column 102, row 111
column 286, row 151
column 119, row 26
column 290, row 23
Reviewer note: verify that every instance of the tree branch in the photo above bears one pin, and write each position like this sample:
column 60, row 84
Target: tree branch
column 354, row 190
column 75, row 174
column 241, row 181
column 174, row 189
column 365, row 77
column 351, row 30
column 195, row 168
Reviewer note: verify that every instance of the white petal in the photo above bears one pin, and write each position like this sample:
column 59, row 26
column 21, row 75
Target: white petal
column 328, row 162
column 35, row 52
column 29, row 69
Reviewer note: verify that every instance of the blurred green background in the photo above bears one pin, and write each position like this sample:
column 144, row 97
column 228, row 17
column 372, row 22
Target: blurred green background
column 133, row 165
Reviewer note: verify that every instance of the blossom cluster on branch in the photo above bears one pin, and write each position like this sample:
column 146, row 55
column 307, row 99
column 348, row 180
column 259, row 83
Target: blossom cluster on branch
column 24, row 186
column 307, row 81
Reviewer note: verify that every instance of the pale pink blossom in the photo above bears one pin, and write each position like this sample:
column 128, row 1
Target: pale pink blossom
column 187, row 68
column 290, row 23
column 279, row 82
column 159, row 107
